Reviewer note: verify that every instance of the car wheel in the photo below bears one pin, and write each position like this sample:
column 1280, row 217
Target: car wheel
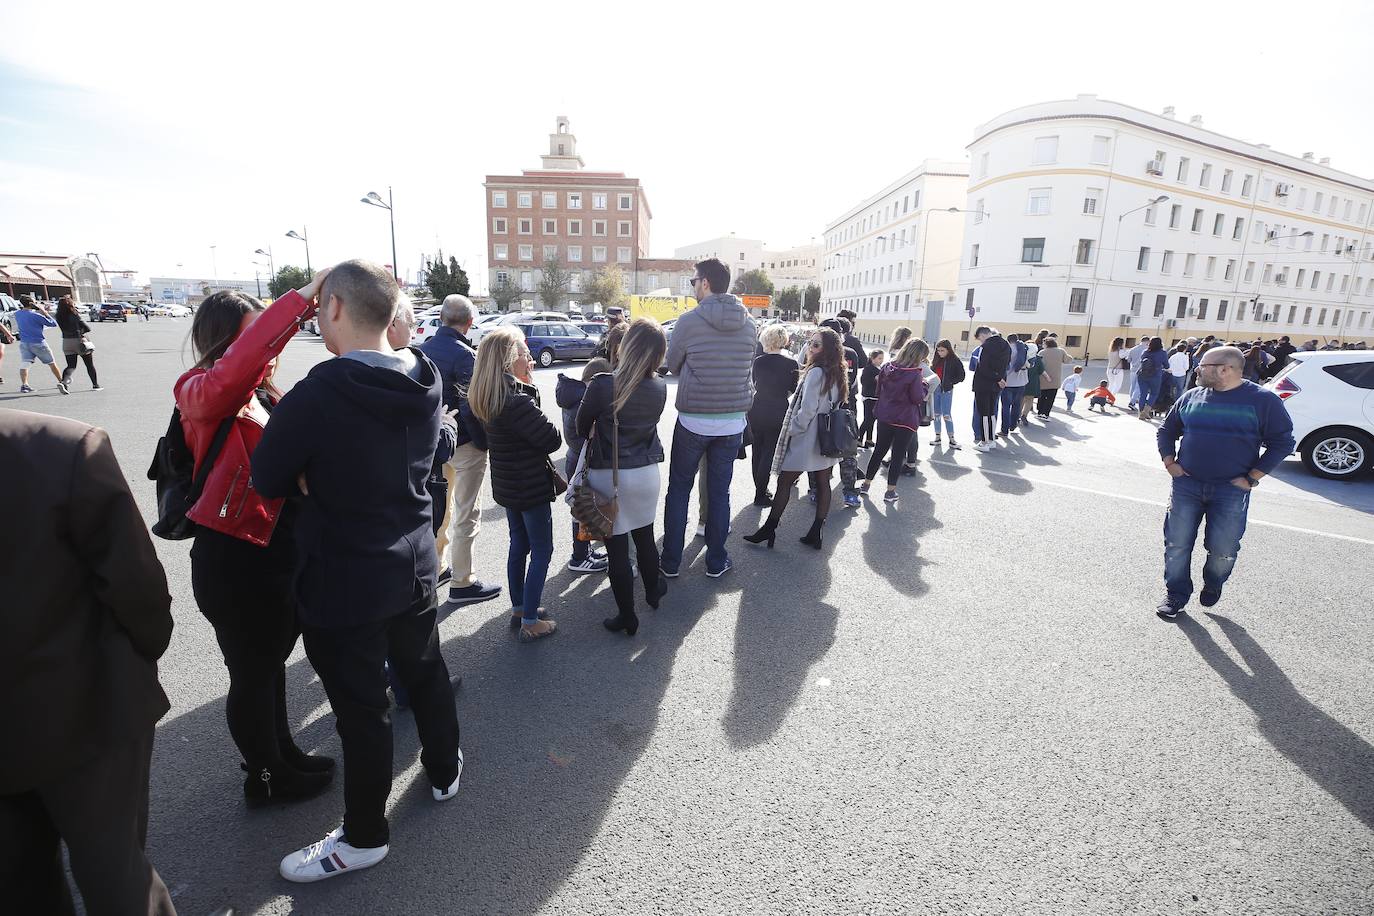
column 546, row 358
column 1338, row 453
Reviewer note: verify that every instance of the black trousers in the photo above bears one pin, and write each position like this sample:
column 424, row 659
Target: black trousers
column 985, row 401
column 349, row 662
column 100, row 809
column 900, row 440
column 870, row 418
column 88, row 359
column 766, row 433
column 247, row 594
column 1045, row 401
column 622, row 582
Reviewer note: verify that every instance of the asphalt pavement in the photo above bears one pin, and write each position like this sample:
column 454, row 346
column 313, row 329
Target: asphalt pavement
column 963, row 704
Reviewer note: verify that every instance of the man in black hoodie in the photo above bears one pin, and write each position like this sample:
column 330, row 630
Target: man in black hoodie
column 356, row 437
column 988, row 381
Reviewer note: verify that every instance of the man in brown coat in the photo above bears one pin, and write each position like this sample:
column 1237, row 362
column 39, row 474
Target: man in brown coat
column 86, row 617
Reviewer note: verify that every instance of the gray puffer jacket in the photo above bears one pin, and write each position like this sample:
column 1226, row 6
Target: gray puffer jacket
column 712, row 349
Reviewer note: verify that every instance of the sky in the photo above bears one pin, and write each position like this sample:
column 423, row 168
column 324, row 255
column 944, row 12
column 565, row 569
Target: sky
column 150, row 131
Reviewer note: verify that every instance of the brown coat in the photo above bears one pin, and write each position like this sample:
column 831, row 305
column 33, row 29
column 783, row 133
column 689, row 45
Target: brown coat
column 86, row 608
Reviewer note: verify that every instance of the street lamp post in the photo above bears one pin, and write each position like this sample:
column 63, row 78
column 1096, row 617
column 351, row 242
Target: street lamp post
column 1111, row 273
column 373, row 199
column 214, row 265
column 305, row 237
column 271, row 262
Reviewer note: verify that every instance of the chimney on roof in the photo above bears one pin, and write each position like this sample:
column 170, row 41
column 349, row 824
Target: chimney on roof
column 1325, row 160
column 1195, row 121
column 1306, row 157
column 1168, row 111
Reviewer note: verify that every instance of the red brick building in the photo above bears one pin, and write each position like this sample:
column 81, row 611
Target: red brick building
column 585, row 220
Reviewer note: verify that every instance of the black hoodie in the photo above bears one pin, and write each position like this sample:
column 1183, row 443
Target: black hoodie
column 365, row 438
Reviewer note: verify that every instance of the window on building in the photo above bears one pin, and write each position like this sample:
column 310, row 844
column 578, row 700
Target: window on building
column 1266, row 189
column 524, row 199
column 1038, row 202
column 1316, row 276
column 1166, row 264
column 968, row 302
column 1321, row 317
column 625, row 201
column 1160, row 301
column 1175, row 216
column 500, row 252
column 1197, row 220
column 1101, row 150
column 1239, row 231
column 978, row 210
column 1135, row 303
column 1226, row 181
column 1345, row 282
column 1084, row 254
column 983, row 165
column 525, row 226
column 973, row 257
column 1211, row 267
column 1302, row 198
column 1201, row 309
column 498, row 225
column 1230, row 269
column 526, row 279
column 598, row 227
column 1268, row 273
column 503, row 276
column 1150, row 215
column 574, row 252
column 550, row 252
column 574, row 200
column 1045, row 150
column 1205, row 178
column 598, row 201
column 574, row 227
column 1189, row 263
column 527, row 252
column 498, row 198
column 598, row 254
column 1183, row 163
column 622, row 228
column 1330, row 281
column 1221, row 309
column 1292, row 313
column 1247, row 184
column 1032, row 251
column 1027, row 298
column 1219, row 224
column 1090, row 201
column 1078, row 301
column 1317, row 199
column 1182, row 311
column 1142, row 261
column 1302, row 275
column 548, row 199
column 550, row 227
column 622, row 254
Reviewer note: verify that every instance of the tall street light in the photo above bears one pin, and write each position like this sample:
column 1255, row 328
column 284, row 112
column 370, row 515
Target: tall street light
column 1111, row 273
column 271, row 263
column 257, row 269
column 304, row 237
column 373, row 199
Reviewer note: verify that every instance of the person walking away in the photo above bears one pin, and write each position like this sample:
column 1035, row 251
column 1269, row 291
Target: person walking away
column 1018, row 376
column 1234, row 433
column 1133, row 358
column 823, row 387
column 855, row 361
column 1284, row 352
column 355, row 442
column 1117, row 364
column 1070, row 386
column 568, row 393
column 1035, row 369
column 1179, row 363
column 1100, row 396
column 989, row 378
column 619, row 419
column 1055, row 359
column 1154, row 363
column 901, row 389
column 87, row 616
column 506, row 421
column 74, row 343
column 243, row 559
column 453, row 354
column 950, row 370
column 868, row 389
column 712, row 353
column 31, row 320
column 775, row 378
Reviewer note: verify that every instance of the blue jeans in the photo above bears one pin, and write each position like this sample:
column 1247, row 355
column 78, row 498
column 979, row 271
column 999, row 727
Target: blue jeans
column 688, row 449
column 944, row 404
column 1135, row 389
column 1069, row 396
column 1224, row 506
column 531, row 536
column 1011, row 407
column 1148, row 389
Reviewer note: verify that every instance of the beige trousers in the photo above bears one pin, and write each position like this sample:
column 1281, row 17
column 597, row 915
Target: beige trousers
column 464, row 472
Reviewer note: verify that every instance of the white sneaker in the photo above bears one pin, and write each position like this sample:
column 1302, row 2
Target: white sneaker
column 982, row 446
column 452, row 790
column 329, row 858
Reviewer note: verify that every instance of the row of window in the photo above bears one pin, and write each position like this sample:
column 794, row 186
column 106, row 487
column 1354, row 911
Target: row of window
column 1045, row 151
column 525, row 226
column 549, row 200
column 574, row 253
column 578, row 278
column 870, row 221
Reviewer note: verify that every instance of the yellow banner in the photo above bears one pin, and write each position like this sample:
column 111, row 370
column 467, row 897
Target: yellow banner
column 660, row 308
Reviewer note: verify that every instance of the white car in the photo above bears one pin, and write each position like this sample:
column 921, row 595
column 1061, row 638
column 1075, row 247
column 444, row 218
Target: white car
column 425, row 327
column 1330, row 396
column 487, row 322
column 177, row 311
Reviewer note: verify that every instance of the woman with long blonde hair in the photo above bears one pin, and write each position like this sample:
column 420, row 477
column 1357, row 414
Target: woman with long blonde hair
column 619, row 417
column 502, row 415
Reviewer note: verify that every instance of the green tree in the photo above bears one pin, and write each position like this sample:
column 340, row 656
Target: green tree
column 505, row 292
column 811, row 302
column 789, row 301
column 607, row 286
column 554, row 282
column 287, row 279
column 445, row 279
column 753, row 283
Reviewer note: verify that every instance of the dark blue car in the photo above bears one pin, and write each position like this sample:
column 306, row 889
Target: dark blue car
column 554, row 340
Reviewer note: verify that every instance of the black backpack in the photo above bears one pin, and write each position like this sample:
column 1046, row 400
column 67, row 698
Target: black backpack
column 177, row 489
column 1148, row 368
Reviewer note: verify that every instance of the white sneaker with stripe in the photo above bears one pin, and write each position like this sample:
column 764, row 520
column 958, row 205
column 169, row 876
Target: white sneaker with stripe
column 329, row 858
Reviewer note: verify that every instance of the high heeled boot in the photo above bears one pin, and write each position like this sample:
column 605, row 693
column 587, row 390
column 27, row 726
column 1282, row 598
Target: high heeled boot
column 812, row 538
column 769, row 533
column 283, row 783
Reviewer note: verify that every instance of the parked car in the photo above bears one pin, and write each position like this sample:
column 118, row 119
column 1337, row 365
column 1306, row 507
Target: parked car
column 177, row 311
column 486, row 323
column 111, row 311
column 1330, row 396
column 592, row 329
column 424, row 329
column 554, row 340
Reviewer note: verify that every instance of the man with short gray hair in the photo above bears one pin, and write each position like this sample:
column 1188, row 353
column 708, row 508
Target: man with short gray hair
column 1224, row 423
column 454, row 355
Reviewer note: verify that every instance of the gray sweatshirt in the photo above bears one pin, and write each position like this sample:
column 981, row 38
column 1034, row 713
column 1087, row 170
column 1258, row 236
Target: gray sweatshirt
column 712, row 350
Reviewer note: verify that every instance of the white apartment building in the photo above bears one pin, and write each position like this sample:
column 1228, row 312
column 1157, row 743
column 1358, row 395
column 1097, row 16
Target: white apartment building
column 893, row 258
column 799, row 266
column 738, row 254
column 1098, row 220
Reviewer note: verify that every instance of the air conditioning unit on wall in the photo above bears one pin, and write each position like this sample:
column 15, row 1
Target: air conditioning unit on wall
column 1171, row 323
column 1281, row 189
column 1126, row 320
column 1154, row 167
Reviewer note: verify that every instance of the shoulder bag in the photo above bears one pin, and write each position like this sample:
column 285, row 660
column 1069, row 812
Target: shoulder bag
column 835, row 433
column 177, row 489
column 594, row 511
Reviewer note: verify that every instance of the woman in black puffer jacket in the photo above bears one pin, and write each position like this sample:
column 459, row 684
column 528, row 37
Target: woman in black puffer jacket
column 502, row 414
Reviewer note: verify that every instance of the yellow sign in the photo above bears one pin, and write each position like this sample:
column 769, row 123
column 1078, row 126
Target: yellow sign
column 756, row 302
column 660, row 308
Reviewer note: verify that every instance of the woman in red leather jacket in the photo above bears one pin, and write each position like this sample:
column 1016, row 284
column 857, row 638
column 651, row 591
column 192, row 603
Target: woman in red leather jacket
column 244, row 556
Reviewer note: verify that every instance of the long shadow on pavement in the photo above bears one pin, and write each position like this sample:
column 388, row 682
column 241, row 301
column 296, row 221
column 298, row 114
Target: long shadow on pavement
column 1329, row 753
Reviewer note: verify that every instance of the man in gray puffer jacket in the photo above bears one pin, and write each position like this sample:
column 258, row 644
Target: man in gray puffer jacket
column 712, row 351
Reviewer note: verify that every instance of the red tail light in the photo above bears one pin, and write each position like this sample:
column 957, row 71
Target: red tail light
column 1285, row 389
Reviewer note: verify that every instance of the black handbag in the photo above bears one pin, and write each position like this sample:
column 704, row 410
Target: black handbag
column 835, row 433
column 177, row 488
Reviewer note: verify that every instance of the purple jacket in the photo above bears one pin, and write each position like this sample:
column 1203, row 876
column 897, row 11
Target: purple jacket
column 900, row 394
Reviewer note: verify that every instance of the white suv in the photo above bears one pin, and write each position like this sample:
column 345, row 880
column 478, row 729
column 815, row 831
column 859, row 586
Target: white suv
column 1330, row 396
